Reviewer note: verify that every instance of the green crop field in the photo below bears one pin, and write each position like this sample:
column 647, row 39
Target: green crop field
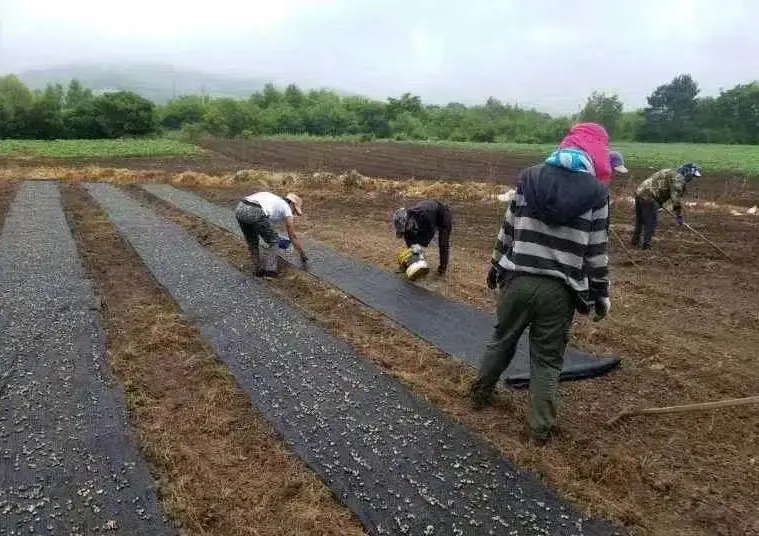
column 715, row 158
column 96, row 148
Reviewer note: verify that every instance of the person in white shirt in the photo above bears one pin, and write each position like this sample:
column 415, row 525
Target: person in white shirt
column 255, row 214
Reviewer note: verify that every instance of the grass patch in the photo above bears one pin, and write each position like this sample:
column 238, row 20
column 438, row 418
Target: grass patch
column 96, row 148
column 713, row 157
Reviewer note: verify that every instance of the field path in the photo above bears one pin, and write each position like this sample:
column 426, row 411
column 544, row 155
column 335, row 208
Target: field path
column 68, row 463
column 400, row 464
column 454, row 327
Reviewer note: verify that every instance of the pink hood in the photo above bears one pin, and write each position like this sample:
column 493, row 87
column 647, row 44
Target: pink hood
column 593, row 140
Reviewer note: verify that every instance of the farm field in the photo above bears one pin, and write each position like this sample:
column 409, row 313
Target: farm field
column 96, row 148
column 684, row 321
column 452, row 160
column 494, row 162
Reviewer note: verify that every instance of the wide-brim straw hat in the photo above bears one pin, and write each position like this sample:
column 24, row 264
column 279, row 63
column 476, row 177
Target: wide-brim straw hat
column 296, row 201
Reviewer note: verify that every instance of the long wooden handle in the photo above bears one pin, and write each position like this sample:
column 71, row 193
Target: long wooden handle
column 700, row 235
column 729, row 403
column 622, row 243
column 712, row 244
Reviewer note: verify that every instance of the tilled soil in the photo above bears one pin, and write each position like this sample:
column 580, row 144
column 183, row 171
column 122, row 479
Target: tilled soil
column 406, row 161
column 7, row 193
column 222, row 468
column 374, row 159
column 684, row 321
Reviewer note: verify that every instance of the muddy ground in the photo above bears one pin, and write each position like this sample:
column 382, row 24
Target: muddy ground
column 684, row 320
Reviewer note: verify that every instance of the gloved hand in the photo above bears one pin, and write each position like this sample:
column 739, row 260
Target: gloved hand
column 493, row 278
column 303, row 260
column 679, row 219
column 440, row 270
column 602, row 308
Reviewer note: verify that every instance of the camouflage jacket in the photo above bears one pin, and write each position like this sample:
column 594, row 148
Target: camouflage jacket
column 662, row 186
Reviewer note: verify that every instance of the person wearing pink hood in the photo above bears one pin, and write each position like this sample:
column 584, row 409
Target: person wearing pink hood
column 550, row 259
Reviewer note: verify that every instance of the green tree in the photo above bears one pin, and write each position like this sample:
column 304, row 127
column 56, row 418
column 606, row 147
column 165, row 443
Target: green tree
column 44, row 119
column 15, row 103
column 672, row 111
column 124, row 113
column 270, row 96
column 294, row 97
column 407, row 103
column 370, row 117
column 184, row 110
column 629, row 125
column 77, row 95
column 407, row 126
column 737, row 112
column 227, row 117
column 604, row 109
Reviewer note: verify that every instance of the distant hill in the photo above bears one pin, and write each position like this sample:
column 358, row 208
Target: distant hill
column 158, row 83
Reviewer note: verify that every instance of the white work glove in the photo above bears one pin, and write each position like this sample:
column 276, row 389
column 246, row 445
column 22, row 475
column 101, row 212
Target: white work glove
column 601, row 309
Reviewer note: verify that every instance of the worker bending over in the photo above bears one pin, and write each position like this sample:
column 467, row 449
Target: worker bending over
column 550, row 259
column 652, row 193
column 255, row 214
column 417, row 226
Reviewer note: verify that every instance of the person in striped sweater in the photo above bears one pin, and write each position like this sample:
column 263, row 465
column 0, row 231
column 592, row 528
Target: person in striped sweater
column 550, row 260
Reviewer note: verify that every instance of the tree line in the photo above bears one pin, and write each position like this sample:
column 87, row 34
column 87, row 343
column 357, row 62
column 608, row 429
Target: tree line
column 675, row 113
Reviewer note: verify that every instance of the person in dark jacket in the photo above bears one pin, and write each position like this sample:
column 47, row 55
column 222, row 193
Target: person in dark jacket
column 418, row 224
column 550, row 259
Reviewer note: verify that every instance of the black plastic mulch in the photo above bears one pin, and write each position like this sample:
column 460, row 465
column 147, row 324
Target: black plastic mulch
column 68, row 462
column 403, row 466
column 453, row 327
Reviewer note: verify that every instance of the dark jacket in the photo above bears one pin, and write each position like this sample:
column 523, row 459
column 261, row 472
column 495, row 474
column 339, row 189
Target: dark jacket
column 557, row 225
column 423, row 220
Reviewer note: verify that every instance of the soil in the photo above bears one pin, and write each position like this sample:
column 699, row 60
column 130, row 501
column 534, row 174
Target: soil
column 374, row 159
column 684, row 320
column 405, row 161
column 7, row 193
column 220, row 466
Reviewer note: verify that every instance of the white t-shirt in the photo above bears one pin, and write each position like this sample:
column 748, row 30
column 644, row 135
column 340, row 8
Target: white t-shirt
column 276, row 208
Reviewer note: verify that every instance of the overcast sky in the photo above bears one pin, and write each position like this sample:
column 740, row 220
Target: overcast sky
column 545, row 53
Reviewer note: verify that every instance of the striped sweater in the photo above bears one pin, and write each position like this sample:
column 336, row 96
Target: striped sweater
column 557, row 225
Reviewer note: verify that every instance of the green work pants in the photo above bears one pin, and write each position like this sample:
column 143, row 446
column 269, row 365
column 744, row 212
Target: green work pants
column 547, row 306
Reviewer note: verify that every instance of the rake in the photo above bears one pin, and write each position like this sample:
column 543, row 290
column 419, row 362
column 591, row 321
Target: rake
column 701, row 236
column 728, row 403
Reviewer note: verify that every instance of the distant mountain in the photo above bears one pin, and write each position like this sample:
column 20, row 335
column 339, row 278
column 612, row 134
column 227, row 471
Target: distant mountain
column 158, row 83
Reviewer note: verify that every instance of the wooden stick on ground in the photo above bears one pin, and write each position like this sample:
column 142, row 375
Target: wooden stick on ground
column 700, row 235
column 622, row 243
column 712, row 244
column 729, row 403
